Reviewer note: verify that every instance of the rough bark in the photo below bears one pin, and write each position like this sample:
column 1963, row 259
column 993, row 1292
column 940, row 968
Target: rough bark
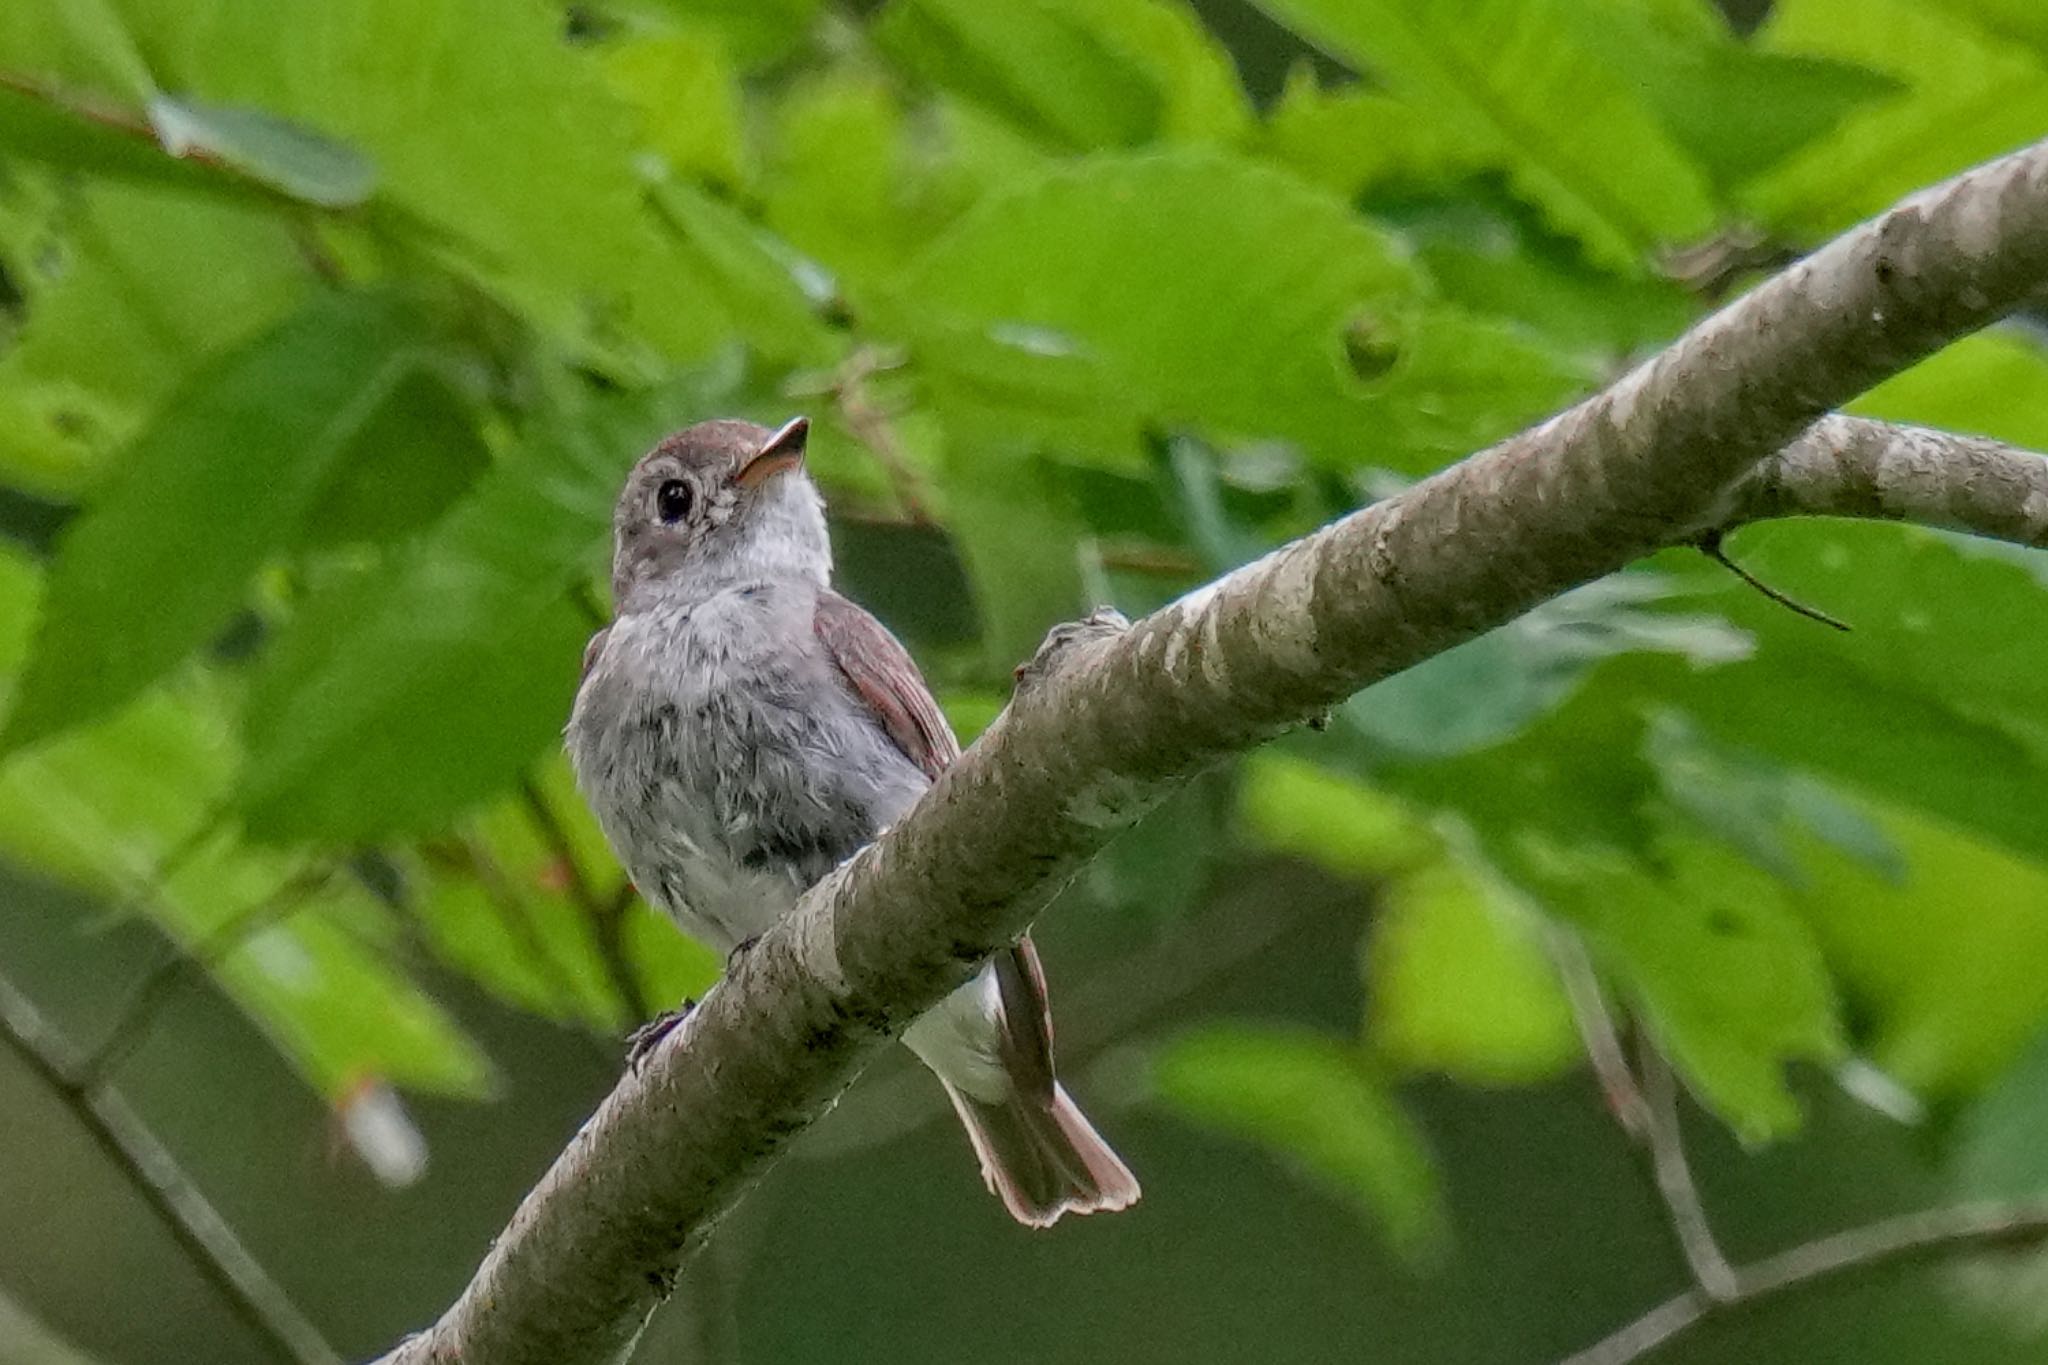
column 1850, row 467
column 1108, row 722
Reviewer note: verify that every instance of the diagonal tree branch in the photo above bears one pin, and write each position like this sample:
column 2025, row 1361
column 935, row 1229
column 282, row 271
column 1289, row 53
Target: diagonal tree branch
column 155, row 1175
column 1107, row 721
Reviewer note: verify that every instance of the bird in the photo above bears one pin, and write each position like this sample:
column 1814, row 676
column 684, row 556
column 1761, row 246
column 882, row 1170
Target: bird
column 740, row 729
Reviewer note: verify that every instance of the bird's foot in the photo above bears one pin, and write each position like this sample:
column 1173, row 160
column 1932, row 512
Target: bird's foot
column 643, row 1040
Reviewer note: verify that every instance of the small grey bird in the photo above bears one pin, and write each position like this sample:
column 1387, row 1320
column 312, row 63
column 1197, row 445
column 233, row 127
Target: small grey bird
column 741, row 729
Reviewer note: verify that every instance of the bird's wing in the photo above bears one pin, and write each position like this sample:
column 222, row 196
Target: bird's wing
column 591, row 651
column 882, row 675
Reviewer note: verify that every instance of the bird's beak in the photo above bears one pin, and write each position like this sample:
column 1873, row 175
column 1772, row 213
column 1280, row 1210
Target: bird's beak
column 784, row 450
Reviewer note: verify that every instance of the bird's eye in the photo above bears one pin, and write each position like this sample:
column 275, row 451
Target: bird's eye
column 672, row 501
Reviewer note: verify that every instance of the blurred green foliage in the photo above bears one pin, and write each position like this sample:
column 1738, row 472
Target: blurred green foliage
column 329, row 329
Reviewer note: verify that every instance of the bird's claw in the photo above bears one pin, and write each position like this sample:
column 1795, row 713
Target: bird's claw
column 643, row 1040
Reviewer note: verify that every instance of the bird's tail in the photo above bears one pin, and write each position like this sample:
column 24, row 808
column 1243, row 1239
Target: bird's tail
column 991, row 1044
column 1042, row 1157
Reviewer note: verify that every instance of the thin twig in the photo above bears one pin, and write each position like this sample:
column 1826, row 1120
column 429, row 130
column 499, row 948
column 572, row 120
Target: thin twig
column 1675, row 1185
column 1908, row 1237
column 548, row 825
column 131, row 1025
column 1150, row 559
column 137, row 126
column 875, row 427
column 1710, row 546
column 514, row 912
column 155, row 1175
column 1596, row 1029
column 174, row 860
column 605, row 914
column 1647, row 1110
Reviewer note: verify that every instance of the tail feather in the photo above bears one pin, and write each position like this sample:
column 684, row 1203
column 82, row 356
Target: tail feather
column 1042, row 1157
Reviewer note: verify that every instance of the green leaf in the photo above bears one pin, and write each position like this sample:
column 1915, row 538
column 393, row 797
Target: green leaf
column 832, row 189
column 757, row 32
column 1458, row 980
column 1486, row 690
column 1956, row 694
column 109, row 807
column 1020, row 541
column 496, row 900
column 2021, row 21
column 1078, row 73
column 1348, row 827
column 688, row 101
column 397, row 700
column 1730, row 980
column 1571, row 775
column 146, row 287
column 221, row 480
column 1459, row 383
column 1757, row 808
column 1992, row 384
column 574, row 250
column 412, row 458
column 1162, row 256
column 65, row 136
column 762, row 283
column 282, row 154
column 1998, row 1152
column 1969, row 98
column 1352, row 140
column 1486, row 255
column 77, row 45
column 856, row 185
column 1737, row 110
column 1312, row 1101
column 1941, row 964
column 1166, row 308
column 1506, row 79
column 343, row 1016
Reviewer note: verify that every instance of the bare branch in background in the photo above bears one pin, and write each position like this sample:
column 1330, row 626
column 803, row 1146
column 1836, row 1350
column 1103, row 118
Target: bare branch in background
column 852, row 391
column 515, row 914
column 154, row 1174
column 131, row 1026
column 1109, row 721
column 1602, row 1041
column 1913, row 1236
column 605, row 912
column 1646, row 1108
column 1675, row 1185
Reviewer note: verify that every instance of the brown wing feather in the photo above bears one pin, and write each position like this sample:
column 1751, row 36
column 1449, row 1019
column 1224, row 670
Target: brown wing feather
column 882, row 675
column 1027, row 1019
column 591, row 651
